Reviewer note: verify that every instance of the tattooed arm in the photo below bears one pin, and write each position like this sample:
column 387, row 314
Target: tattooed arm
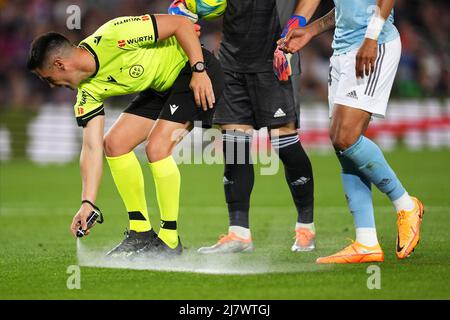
column 296, row 39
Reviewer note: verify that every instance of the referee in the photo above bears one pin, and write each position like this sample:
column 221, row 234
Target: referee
column 160, row 58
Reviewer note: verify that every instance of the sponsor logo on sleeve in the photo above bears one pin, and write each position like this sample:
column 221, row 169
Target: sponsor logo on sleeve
column 83, row 98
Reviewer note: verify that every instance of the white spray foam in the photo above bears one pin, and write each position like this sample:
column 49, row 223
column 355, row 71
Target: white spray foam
column 191, row 261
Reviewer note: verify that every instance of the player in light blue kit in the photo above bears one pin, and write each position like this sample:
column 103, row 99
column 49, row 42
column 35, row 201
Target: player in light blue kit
column 367, row 51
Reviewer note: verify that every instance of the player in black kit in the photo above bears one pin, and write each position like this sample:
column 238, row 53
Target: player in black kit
column 254, row 97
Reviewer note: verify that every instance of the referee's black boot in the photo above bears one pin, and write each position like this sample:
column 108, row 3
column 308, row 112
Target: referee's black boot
column 159, row 248
column 133, row 242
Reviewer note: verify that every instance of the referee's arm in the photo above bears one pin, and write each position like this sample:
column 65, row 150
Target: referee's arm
column 91, row 166
column 185, row 33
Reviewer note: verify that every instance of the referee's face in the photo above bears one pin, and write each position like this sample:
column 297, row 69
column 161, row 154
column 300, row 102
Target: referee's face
column 57, row 75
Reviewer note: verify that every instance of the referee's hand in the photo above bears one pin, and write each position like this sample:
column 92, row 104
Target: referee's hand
column 80, row 218
column 203, row 91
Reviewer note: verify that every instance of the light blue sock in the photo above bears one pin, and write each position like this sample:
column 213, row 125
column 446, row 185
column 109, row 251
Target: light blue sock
column 358, row 193
column 369, row 159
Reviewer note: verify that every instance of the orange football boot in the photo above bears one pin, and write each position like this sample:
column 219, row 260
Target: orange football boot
column 355, row 253
column 304, row 240
column 408, row 226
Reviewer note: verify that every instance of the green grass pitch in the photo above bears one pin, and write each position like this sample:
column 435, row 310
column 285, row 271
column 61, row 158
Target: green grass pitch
column 37, row 204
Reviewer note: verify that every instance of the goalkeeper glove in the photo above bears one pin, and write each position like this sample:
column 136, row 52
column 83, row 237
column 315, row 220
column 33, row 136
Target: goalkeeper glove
column 282, row 64
column 295, row 21
column 178, row 7
column 281, row 60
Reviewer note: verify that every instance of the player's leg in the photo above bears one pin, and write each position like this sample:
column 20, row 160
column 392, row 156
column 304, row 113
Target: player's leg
column 347, row 126
column 362, row 158
column 299, row 177
column 357, row 187
column 235, row 117
column 172, row 125
column 131, row 129
column 278, row 108
column 128, row 132
column 376, row 92
column 238, row 178
column 356, row 150
column 238, row 181
column 124, row 136
column 160, row 144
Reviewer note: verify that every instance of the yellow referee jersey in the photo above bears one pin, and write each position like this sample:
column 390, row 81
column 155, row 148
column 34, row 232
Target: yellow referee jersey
column 129, row 59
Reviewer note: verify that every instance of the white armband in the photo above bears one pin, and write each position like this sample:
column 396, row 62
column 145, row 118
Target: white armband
column 374, row 28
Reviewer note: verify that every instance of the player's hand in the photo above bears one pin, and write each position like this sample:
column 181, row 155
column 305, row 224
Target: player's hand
column 203, row 91
column 79, row 220
column 179, row 7
column 365, row 58
column 282, row 65
column 295, row 39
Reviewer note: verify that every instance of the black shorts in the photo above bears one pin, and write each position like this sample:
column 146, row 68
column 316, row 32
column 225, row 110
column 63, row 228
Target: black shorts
column 178, row 103
column 258, row 99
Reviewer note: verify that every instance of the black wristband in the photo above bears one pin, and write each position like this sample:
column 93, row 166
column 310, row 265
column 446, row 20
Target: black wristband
column 93, row 205
column 199, row 66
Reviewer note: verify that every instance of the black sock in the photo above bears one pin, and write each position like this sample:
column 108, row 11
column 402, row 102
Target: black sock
column 299, row 175
column 238, row 177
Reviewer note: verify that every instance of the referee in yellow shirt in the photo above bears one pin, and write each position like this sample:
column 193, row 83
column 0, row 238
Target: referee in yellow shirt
column 159, row 57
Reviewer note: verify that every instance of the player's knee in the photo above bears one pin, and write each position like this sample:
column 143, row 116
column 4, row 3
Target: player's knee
column 282, row 130
column 341, row 140
column 156, row 151
column 111, row 145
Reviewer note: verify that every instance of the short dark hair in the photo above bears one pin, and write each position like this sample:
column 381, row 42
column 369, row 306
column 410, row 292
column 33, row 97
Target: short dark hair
column 42, row 46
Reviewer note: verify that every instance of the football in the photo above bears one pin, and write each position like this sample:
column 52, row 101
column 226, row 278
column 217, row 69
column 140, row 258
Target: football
column 207, row 9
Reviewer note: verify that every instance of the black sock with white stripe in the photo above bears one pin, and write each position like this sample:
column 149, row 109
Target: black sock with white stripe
column 238, row 177
column 299, row 175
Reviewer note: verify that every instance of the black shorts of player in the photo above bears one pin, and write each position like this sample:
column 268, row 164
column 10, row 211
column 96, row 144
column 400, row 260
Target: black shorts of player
column 178, row 103
column 259, row 100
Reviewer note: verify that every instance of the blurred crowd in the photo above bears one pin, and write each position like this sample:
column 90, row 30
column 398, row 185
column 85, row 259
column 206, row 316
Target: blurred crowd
column 423, row 71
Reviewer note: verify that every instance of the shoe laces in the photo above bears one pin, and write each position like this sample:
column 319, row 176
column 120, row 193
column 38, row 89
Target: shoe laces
column 402, row 220
column 224, row 238
column 401, row 217
column 348, row 248
column 303, row 236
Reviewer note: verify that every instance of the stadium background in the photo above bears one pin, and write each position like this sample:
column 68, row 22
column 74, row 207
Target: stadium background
column 36, row 122
column 37, row 130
